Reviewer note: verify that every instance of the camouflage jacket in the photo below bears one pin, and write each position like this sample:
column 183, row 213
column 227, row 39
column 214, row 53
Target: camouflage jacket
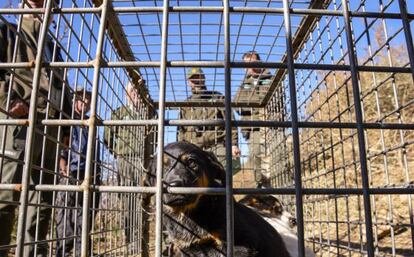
column 252, row 90
column 204, row 136
column 51, row 83
column 121, row 140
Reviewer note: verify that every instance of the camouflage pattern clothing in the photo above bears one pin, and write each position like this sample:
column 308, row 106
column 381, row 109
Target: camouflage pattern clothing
column 122, row 142
column 210, row 138
column 253, row 90
column 11, row 167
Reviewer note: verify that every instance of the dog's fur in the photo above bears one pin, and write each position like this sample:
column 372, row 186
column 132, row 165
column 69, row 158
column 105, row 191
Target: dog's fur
column 196, row 224
column 272, row 210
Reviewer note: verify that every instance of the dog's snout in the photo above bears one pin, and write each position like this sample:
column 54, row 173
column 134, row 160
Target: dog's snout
column 175, row 183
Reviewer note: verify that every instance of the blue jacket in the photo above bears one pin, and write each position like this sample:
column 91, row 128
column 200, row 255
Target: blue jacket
column 77, row 152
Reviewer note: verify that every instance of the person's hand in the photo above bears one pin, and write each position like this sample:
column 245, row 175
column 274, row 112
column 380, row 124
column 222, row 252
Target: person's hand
column 235, row 150
column 62, row 167
column 19, row 108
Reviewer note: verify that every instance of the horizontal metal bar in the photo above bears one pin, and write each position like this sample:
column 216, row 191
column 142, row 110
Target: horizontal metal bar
column 213, row 191
column 5, row 11
column 218, row 123
column 178, row 104
column 204, row 9
column 14, row 122
column 64, row 122
column 206, row 64
column 17, row 65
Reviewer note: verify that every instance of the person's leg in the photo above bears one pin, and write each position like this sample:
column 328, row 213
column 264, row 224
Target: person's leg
column 94, row 206
column 65, row 226
column 10, row 170
column 38, row 217
column 255, row 157
column 78, row 222
column 220, row 151
column 124, row 179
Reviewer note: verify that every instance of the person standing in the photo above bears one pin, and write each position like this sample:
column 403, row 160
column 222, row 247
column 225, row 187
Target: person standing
column 255, row 85
column 15, row 97
column 210, row 138
column 72, row 165
column 122, row 143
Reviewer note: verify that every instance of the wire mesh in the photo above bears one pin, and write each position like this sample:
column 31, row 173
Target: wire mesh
column 330, row 134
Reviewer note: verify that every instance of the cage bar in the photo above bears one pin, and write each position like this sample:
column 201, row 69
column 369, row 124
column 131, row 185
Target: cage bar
column 333, row 131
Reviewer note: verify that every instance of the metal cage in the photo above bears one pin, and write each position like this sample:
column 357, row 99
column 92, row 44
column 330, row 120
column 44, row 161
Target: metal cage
column 335, row 122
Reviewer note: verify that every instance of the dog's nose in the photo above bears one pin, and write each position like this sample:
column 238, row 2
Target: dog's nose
column 175, row 183
column 292, row 221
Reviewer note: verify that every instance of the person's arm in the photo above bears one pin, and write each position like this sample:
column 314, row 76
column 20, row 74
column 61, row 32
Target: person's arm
column 234, row 139
column 234, row 134
column 97, row 177
column 63, row 170
column 181, row 130
column 18, row 108
column 3, row 58
column 109, row 135
column 67, row 101
column 64, row 156
column 208, row 138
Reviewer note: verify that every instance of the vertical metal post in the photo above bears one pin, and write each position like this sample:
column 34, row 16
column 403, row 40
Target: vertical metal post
column 92, row 131
column 295, row 129
column 28, row 154
column 407, row 32
column 360, row 128
column 161, row 121
column 228, row 129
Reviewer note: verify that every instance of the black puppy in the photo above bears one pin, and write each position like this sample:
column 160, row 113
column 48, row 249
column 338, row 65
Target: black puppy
column 196, row 224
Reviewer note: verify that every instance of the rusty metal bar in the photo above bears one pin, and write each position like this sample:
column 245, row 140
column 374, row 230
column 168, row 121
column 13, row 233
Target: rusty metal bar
column 407, row 190
column 92, row 131
column 28, row 157
column 161, row 121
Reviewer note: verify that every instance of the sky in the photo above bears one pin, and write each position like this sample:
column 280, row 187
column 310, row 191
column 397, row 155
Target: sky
column 196, row 36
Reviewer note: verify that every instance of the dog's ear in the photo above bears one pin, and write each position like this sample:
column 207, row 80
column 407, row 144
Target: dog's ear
column 150, row 174
column 216, row 168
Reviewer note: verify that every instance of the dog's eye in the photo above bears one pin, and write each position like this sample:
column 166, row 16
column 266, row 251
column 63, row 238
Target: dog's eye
column 192, row 164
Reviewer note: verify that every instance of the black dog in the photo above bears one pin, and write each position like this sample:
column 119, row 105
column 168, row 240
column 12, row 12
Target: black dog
column 196, row 224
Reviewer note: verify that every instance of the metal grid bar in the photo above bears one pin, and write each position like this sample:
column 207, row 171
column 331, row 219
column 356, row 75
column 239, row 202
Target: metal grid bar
column 161, row 120
column 92, row 130
column 295, row 129
column 360, row 129
column 317, row 102
column 228, row 130
column 21, row 224
column 294, row 121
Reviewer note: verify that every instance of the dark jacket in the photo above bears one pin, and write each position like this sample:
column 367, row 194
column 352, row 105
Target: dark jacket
column 50, row 83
